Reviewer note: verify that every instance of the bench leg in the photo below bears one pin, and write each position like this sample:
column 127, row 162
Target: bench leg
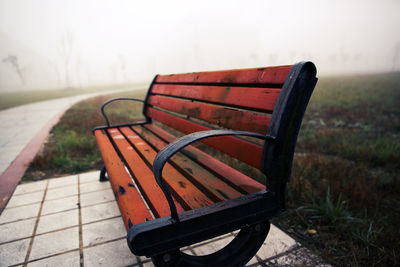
column 103, row 172
column 237, row 253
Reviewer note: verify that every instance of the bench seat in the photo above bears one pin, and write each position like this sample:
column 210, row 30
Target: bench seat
column 171, row 193
column 138, row 145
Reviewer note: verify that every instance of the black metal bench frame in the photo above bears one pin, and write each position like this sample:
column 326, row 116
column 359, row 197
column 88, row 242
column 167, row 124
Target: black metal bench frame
column 162, row 238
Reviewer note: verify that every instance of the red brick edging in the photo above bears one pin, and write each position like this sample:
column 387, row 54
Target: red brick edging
column 13, row 174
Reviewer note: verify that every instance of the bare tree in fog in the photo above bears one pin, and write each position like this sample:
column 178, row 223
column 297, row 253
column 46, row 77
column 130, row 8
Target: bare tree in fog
column 65, row 51
column 78, row 71
column 396, row 56
column 113, row 71
column 13, row 61
column 344, row 55
column 122, row 65
column 56, row 70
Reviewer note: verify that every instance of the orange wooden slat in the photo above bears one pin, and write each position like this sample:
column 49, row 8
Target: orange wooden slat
column 143, row 176
column 269, row 75
column 243, row 150
column 215, row 187
column 129, row 201
column 221, row 116
column 185, row 192
column 262, row 99
column 235, row 177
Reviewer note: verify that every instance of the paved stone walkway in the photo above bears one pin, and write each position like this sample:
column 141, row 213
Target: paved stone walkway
column 20, row 124
column 75, row 221
column 23, row 130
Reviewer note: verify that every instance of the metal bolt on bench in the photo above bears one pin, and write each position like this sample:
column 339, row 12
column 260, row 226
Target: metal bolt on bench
column 171, row 202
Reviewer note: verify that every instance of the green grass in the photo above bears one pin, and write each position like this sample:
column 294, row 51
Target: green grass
column 345, row 182
column 346, row 173
column 71, row 147
column 12, row 99
column 325, row 211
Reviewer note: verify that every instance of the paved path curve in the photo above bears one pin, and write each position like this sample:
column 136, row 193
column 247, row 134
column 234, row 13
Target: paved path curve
column 23, row 130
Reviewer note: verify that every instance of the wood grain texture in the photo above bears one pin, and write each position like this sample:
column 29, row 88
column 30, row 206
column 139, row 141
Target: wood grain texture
column 262, row 99
column 229, row 174
column 271, row 75
column 221, row 116
column 189, row 196
column 215, row 188
column 143, row 175
column 243, row 150
column 137, row 213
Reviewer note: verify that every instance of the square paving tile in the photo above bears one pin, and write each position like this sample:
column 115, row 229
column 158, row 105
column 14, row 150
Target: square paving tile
column 70, row 259
column 116, row 254
column 253, row 262
column 56, row 205
column 89, row 177
column 18, row 213
column 30, row 187
column 213, row 246
column 61, row 192
column 100, row 212
column 24, row 199
column 58, row 221
column 64, row 181
column 98, row 232
column 147, row 263
column 57, row 239
column 94, row 186
column 13, row 253
column 53, row 243
column 277, row 242
column 97, row 197
column 211, row 240
column 16, row 230
column 298, row 257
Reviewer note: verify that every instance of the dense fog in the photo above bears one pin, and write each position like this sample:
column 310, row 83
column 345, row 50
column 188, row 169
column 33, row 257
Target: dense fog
column 72, row 44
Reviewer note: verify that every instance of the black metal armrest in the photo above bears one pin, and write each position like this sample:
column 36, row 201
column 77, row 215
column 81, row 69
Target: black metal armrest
column 115, row 99
column 179, row 144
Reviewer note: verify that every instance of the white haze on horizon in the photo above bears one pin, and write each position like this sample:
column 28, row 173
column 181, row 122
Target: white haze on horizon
column 131, row 41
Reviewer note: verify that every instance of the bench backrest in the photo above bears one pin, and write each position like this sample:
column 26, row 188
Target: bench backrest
column 264, row 100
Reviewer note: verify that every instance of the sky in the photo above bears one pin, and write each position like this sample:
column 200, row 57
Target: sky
column 131, row 41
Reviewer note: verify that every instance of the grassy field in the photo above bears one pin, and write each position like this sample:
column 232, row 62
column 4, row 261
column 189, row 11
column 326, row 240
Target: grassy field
column 12, row 99
column 343, row 199
column 346, row 176
column 71, row 147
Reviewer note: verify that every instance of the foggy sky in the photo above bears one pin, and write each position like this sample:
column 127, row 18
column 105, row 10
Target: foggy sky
column 131, row 41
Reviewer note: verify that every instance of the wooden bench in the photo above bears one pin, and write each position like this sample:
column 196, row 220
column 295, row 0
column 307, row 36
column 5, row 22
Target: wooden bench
column 171, row 202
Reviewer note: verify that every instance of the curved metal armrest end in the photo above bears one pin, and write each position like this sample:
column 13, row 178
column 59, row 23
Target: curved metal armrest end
column 167, row 152
column 116, row 99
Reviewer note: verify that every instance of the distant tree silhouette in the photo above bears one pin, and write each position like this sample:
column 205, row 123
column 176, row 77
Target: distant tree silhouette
column 56, row 69
column 65, row 51
column 78, row 64
column 122, row 65
column 13, row 61
column 396, row 56
column 113, row 71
